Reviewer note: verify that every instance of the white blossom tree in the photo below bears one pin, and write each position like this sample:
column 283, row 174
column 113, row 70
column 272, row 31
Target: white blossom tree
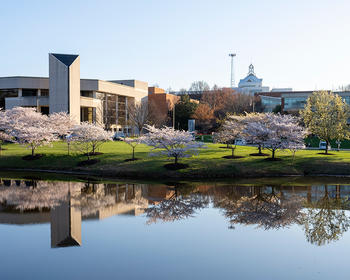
column 62, row 125
column 253, row 135
column 4, row 136
column 89, row 137
column 283, row 132
column 172, row 143
column 132, row 142
column 29, row 128
column 231, row 131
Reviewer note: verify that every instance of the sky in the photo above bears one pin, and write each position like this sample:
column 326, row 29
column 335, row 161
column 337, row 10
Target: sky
column 304, row 44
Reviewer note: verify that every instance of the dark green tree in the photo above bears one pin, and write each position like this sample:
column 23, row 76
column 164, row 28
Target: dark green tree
column 184, row 110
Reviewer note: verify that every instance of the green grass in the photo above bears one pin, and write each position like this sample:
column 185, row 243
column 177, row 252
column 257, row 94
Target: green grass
column 208, row 164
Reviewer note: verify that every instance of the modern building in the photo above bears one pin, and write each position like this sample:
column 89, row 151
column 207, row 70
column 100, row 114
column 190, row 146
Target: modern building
column 291, row 101
column 91, row 100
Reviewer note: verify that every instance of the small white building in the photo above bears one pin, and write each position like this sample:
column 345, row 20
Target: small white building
column 251, row 84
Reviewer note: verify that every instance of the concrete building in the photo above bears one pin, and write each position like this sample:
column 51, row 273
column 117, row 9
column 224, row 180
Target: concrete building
column 92, row 100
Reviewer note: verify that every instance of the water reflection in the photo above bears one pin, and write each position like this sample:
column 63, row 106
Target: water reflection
column 319, row 210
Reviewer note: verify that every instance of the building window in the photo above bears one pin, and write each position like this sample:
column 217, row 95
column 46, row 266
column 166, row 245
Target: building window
column 4, row 93
column 87, row 114
column 87, row 93
column 294, row 103
column 44, row 92
column 29, row 92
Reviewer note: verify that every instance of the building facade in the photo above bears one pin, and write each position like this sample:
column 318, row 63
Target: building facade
column 291, row 101
column 91, row 100
column 251, row 84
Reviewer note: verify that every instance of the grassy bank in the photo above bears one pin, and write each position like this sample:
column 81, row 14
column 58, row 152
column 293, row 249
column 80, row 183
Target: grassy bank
column 208, row 164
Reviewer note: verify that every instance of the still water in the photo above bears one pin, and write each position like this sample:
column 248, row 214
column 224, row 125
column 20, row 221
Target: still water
column 209, row 230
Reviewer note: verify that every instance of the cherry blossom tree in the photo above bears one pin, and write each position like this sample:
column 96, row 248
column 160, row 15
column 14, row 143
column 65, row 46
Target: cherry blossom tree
column 29, row 128
column 252, row 134
column 89, row 137
column 132, row 142
column 4, row 136
column 231, row 131
column 284, row 133
column 62, row 124
column 171, row 143
column 278, row 132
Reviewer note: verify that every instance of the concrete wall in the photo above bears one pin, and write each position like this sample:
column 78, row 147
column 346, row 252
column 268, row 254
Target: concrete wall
column 64, row 87
column 24, row 82
column 74, row 90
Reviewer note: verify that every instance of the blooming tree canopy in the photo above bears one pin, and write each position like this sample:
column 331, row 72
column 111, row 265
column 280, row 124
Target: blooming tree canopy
column 29, row 127
column 283, row 132
column 231, row 131
column 89, row 137
column 253, row 135
column 172, row 143
column 62, row 123
column 4, row 136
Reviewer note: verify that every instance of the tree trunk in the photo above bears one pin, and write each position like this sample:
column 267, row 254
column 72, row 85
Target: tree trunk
column 233, row 152
column 273, row 153
column 133, row 153
column 33, row 151
column 259, row 147
column 176, row 160
column 327, row 147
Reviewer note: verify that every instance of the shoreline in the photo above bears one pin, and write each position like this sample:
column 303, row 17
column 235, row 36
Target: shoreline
column 109, row 175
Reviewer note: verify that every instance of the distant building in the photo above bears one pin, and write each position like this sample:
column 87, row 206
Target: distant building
column 291, row 101
column 251, row 84
column 161, row 101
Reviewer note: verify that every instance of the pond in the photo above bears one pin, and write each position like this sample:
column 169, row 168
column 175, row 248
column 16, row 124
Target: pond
column 88, row 229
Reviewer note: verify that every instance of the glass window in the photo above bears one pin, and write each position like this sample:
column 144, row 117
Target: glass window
column 4, row 93
column 87, row 93
column 294, row 102
column 29, row 92
column 44, row 92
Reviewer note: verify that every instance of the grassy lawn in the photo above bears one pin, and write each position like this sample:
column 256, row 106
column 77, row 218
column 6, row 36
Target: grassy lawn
column 208, row 164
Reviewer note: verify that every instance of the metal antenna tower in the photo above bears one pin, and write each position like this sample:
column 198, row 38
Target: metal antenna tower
column 232, row 55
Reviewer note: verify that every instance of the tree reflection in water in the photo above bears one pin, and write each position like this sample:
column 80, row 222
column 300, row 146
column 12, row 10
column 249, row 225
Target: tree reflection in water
column 266, row 210
column 325, row 219
column 30, row 195
column 181, row 205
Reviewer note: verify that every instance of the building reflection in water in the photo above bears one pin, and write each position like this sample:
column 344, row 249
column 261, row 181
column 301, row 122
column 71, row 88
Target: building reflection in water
column 318, row 209
column 66, row 220
column 65, row 204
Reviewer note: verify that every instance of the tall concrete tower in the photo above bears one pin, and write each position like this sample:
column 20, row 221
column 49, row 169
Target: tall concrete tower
column 64, row 77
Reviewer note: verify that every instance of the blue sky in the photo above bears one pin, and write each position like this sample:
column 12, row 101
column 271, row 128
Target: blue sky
column 300, row 44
